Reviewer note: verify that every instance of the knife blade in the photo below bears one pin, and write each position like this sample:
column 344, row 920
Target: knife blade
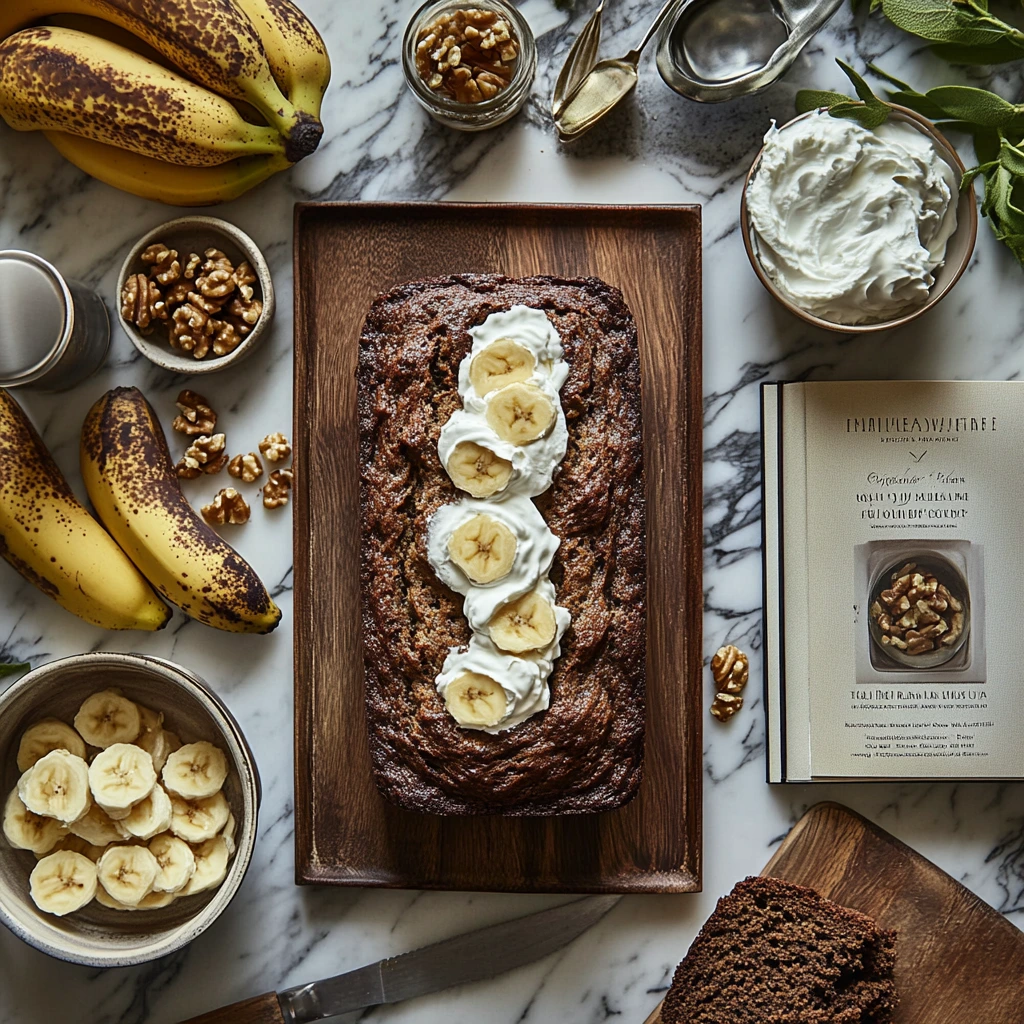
column 472, row 956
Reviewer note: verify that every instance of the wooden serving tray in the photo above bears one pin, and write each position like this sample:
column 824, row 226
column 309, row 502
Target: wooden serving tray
column 345, row 832
column 959, row 961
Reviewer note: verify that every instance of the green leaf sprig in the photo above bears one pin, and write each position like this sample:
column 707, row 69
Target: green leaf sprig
column 13, row 668
column 961, row 31
column 995, row 125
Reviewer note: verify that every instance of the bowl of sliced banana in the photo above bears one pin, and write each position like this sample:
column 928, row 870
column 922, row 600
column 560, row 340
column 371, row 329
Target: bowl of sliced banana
column 129, row 808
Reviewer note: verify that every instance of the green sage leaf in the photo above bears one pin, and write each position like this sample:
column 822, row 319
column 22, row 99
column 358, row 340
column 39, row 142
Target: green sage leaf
column 814, row 99
column 946, row 21
column 14, row 668
column 999, row 52
column 865, row 115
column 965, row 103
column 1012, row 158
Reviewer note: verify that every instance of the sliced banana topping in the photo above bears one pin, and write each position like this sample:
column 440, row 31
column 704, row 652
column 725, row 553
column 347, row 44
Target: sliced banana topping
column 176, row 863
column 476, row 700
column 98, row 828
column 502, row 362
column 477, row 470
column 484, row 548
column 63, row 883
column 150, row 816
column 195, row 821
column 121, row 776
column 107, row 718
column 151, row 901
column 520, row 413
column 158, row 744
column 49, row 734
column 127, row 873
column 57, row 786
column 525, row 624
column 195, row 771
column 76, row 844
column 211, row 866
column 229, row 834
column 27, row 831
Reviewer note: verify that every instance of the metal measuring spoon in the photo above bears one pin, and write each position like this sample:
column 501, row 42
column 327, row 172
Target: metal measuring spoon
column 608, row 82
column 579, row 62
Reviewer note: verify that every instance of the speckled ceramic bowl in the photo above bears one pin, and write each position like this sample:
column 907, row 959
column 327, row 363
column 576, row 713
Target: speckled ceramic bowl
column 97, row 936
column 196, row 234
column 958, row 250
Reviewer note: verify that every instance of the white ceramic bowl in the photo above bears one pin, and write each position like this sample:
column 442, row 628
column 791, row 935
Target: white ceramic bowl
column 958, row 250
column 196, row 234
column 97, row 936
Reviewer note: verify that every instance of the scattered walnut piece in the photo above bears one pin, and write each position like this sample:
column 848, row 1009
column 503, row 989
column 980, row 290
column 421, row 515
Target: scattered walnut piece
column 196, row 417
column 730, row 668
column 275, row 447
column 228, row 506
column 203, row 455
column 275, row 490
column 726, row 705
column 246, row 467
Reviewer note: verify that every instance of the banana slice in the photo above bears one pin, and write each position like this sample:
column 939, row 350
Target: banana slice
column 151, row 901
column 176, row 862
column 27, row 831
column 41, row 738
column 98, row 828
column 63, row 883
column 525, row 624
column 76, row 844
column 195, row 821
column 476, row 699
column 158, row 745
column 211, row 866
column 503, row 362
column 484, row 548
column 477, row 469
column 107, row 718
column 128, row 873
column 120, row 777
column 57, row 786
column 520, row 413
column 151, row 816
column 229, row 834
column 196, row 770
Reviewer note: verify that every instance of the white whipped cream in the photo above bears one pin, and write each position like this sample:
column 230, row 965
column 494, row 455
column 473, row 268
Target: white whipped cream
column 850, row 224
column 523, row 677
column 535, row 548
column 533, row 464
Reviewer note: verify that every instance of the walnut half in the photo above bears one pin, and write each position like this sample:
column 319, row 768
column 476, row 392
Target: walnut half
column 228, row 506
column 195, row 415
column 275, row 447
column 730, row 669
column 203, row 455
column 275, row 490
column 246, row 467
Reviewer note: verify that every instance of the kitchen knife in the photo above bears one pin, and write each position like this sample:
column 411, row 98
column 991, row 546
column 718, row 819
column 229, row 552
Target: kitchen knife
column 474, row 956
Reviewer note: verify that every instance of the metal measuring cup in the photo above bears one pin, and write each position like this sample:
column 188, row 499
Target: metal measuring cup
column 53, row 332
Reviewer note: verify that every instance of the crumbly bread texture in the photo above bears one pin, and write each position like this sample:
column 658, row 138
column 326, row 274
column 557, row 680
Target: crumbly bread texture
column 585, row 753
column 778, row 953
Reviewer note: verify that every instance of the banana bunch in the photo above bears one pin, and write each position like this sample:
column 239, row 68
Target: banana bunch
column 188, row 102
column 126, row 829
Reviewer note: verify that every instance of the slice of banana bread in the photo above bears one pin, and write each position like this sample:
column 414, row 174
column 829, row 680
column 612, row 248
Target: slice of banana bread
column 778, row 953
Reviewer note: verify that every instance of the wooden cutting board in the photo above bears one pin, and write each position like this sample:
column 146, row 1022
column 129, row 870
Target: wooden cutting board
column 346, row 833
column 959, row 961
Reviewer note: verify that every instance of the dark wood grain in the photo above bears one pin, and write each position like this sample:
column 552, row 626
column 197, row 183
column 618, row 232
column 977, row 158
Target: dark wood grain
column 346, row 833
column 258, row 1010
column 959, row 961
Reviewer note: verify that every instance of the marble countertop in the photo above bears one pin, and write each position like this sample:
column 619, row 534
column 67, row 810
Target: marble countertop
column 658, row 148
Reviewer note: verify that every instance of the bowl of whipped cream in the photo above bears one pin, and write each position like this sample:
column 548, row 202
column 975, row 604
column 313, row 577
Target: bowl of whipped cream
column 856, row 229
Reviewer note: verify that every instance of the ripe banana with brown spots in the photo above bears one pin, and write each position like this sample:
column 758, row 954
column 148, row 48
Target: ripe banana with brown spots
column 212, row 42
column 64, row 80
column 48, row 536
column 164, row 182
column 130, row 479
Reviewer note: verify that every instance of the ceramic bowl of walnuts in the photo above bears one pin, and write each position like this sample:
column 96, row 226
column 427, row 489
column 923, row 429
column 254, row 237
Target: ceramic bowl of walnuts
column 195, row 295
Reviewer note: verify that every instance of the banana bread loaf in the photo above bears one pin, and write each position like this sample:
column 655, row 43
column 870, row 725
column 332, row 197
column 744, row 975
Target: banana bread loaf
column 585, row 752
column 778, row 953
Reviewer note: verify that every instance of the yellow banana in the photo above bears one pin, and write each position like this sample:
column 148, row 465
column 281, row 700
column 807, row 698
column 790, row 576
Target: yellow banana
column 210, row 41
column 48, row 536
column 130, row 480
column 61, row 79
column 296, row 51
column 164, row 182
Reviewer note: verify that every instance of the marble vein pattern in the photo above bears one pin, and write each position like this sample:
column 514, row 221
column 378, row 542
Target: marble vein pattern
column 656, row 148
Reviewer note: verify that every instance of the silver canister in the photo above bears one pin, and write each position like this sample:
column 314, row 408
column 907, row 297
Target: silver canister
column 53, row 332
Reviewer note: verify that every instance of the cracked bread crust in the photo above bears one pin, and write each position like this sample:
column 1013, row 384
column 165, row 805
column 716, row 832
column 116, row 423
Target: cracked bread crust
column 584, row 754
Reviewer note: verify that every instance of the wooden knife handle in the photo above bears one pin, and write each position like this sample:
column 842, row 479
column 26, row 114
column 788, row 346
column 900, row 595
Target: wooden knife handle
column 260, row 1010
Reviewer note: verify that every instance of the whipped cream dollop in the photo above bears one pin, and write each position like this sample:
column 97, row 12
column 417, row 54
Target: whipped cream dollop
column 523, row 677
column 850, row 224
column 535, row 548
column 534, row 464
